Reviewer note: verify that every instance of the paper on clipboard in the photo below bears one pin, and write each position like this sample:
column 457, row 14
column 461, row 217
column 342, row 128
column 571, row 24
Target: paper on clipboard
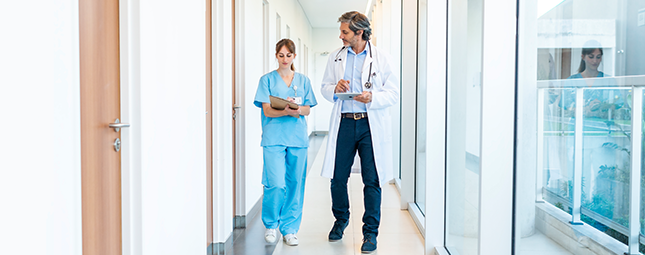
column 280, row 103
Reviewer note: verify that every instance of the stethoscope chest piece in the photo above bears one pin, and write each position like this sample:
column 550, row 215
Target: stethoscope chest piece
column 368, row 85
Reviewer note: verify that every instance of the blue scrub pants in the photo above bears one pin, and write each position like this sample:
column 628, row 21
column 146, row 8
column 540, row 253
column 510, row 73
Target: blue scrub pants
column 284, row 187
column 355, row 135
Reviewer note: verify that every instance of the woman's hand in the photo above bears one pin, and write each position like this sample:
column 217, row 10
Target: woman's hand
column 291, row 112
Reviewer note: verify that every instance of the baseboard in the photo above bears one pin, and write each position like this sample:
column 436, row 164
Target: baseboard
column 441, row 251
column 418, row 218
column 240, row 221
column 220, row 248
column 577, row 239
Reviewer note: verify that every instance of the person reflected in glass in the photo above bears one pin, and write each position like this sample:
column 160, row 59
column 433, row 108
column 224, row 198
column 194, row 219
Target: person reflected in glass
column 284, row 143
column 598, row 103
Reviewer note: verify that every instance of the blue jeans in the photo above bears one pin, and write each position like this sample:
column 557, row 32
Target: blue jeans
column 355, row 135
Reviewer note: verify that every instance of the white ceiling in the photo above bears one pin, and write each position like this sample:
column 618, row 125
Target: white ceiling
column 325, row 13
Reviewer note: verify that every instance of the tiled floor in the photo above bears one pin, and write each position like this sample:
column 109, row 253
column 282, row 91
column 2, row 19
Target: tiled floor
column 539, row 244
column 398, row 233
column 250, row 240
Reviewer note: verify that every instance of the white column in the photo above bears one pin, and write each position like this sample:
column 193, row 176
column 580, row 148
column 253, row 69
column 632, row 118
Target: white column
column 436, row 126
column 539, row 155
column 497, row 127
column 577, row 159
column 222, row 128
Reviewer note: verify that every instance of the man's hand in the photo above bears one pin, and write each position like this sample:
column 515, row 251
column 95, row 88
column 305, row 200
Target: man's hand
column 365, row 98
column 342, row 86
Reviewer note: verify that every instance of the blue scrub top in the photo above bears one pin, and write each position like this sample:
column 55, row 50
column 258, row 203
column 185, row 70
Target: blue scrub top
column 609, row 96
column 286, row 130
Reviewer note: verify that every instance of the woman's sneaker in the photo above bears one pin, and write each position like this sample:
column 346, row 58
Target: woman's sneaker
column 291, row 239
column 270, row 235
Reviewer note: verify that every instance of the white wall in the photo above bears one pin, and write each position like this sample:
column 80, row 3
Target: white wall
column 40, row 180
column 325, row 40
column 248, row 72
column 222, row 121
column 166, row 102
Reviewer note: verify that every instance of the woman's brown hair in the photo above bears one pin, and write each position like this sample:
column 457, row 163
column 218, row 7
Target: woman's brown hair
column 586, row 51
column 291, row 47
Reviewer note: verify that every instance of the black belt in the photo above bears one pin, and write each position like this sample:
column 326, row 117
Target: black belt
column 355, row 115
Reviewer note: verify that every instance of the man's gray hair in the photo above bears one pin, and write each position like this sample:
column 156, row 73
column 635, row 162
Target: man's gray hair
column 357, row 21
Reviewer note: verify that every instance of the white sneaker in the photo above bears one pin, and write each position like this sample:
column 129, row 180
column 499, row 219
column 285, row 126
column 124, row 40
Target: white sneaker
column 270, row 235
column 291, row 239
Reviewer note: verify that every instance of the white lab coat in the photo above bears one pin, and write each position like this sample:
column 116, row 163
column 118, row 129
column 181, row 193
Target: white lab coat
column 385, row 93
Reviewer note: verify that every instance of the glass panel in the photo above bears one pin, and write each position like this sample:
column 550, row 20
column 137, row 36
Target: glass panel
column 558, row 147
column 606, row 160
column 565, row 46
column 420, row 178
column 463, row 130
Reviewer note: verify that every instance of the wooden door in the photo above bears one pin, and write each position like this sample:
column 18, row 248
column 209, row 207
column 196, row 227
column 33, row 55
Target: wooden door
column 100, row 105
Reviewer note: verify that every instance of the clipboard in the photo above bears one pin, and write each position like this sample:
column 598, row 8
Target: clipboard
column 280, row 103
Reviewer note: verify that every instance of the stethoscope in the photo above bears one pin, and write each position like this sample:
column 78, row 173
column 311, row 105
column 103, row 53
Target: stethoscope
column 368, row 84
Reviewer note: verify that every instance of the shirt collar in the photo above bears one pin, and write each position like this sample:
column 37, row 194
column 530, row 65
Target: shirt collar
column 367, row 47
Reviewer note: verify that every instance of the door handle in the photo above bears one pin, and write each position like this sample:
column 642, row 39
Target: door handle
column 117, row 125
column 235, row 108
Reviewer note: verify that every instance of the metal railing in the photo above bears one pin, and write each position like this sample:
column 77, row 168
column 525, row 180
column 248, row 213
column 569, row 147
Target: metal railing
column 636, row 84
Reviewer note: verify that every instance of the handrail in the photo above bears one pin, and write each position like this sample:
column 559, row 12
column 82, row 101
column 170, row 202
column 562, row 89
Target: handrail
column 609, row 82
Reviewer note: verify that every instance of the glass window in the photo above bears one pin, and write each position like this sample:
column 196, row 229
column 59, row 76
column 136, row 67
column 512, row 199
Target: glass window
column 581, row 60
column 420, row 176
column 463, row 126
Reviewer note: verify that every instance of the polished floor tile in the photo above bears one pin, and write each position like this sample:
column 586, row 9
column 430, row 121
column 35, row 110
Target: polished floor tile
column 398, row 233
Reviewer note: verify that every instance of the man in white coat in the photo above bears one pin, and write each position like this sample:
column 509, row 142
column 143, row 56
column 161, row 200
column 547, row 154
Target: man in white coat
column 361, row 124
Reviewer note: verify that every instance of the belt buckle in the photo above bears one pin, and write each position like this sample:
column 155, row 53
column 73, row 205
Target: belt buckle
column 358, row 116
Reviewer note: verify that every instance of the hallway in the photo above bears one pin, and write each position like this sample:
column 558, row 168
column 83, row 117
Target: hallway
column 397, row 234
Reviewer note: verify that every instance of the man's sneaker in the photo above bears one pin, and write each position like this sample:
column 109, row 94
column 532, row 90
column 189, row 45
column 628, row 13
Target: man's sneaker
column 336, row 232
column 291, row 239
column 270, row 235
column 369, row 243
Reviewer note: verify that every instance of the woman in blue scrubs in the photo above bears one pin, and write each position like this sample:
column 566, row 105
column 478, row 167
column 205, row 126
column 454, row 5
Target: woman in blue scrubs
column 284, row 142
column 597, row 102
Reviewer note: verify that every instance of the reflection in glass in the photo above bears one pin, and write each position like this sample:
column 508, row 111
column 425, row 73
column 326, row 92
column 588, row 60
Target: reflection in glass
column 558, row 146
column 589, row 46
column 606, row 157
column 463, row 127
column 420, row 177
